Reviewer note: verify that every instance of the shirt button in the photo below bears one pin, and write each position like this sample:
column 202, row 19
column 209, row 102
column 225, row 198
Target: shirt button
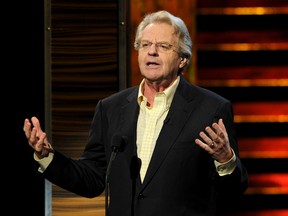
column 140, row 196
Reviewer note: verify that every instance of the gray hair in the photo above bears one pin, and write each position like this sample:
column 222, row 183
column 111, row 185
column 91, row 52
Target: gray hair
column 184, row 43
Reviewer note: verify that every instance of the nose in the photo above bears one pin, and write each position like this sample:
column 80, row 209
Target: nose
column 153, row 50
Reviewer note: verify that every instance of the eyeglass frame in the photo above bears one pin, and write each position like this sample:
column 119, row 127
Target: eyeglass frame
column 163, row 47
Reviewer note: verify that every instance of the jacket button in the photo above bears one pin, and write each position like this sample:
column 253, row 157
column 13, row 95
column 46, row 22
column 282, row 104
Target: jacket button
column 140, row 196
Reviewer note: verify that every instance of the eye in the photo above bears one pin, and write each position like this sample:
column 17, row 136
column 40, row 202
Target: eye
column 164, row 46
column 144, row 44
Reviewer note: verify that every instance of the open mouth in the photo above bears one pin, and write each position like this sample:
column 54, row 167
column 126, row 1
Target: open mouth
column 151, row 63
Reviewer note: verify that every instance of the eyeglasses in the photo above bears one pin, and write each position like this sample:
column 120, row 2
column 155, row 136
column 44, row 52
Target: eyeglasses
column 163, row 47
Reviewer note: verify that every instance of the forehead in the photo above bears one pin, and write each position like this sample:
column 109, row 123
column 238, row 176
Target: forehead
column 158, row 32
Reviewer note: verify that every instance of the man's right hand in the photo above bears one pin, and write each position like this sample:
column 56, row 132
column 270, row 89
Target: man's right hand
column 37, row 139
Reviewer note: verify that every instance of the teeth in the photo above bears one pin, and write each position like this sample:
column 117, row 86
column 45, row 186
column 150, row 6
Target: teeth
column 149, row 63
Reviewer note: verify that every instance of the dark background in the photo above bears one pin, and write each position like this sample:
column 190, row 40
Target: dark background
column 23, row 96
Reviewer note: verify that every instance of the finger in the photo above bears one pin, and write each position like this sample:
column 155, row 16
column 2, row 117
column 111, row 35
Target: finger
column 32, row 140
column 206, row 138
column 220, row 130
column 26, row 124
column 36, row 124
column 212, row 134
column 40, row 143
column 204, row 146
column 27, row 128
column 223, row 128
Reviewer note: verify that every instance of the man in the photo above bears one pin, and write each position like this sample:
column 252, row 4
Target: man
column 176, row 144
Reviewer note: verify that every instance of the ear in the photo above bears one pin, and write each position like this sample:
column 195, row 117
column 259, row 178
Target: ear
column 183, row 62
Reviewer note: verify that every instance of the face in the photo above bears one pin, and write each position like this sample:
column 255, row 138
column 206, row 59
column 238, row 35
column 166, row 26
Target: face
column 156, row 63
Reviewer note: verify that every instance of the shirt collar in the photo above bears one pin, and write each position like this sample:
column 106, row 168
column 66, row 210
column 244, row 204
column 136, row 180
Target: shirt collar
column 169, row 92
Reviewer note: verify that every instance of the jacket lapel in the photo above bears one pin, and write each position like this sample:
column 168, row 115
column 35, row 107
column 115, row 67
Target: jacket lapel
column 129, row 114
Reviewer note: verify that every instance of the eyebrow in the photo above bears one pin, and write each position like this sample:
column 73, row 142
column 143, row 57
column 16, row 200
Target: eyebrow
column 156, row 41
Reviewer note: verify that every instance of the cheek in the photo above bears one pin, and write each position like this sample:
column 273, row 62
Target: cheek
column 140, row 58
column 173, row 63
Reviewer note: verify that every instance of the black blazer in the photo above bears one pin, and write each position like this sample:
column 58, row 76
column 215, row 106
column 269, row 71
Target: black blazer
column 181, row 179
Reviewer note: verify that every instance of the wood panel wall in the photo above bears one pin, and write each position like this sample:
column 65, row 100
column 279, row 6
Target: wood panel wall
column 84, row 69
